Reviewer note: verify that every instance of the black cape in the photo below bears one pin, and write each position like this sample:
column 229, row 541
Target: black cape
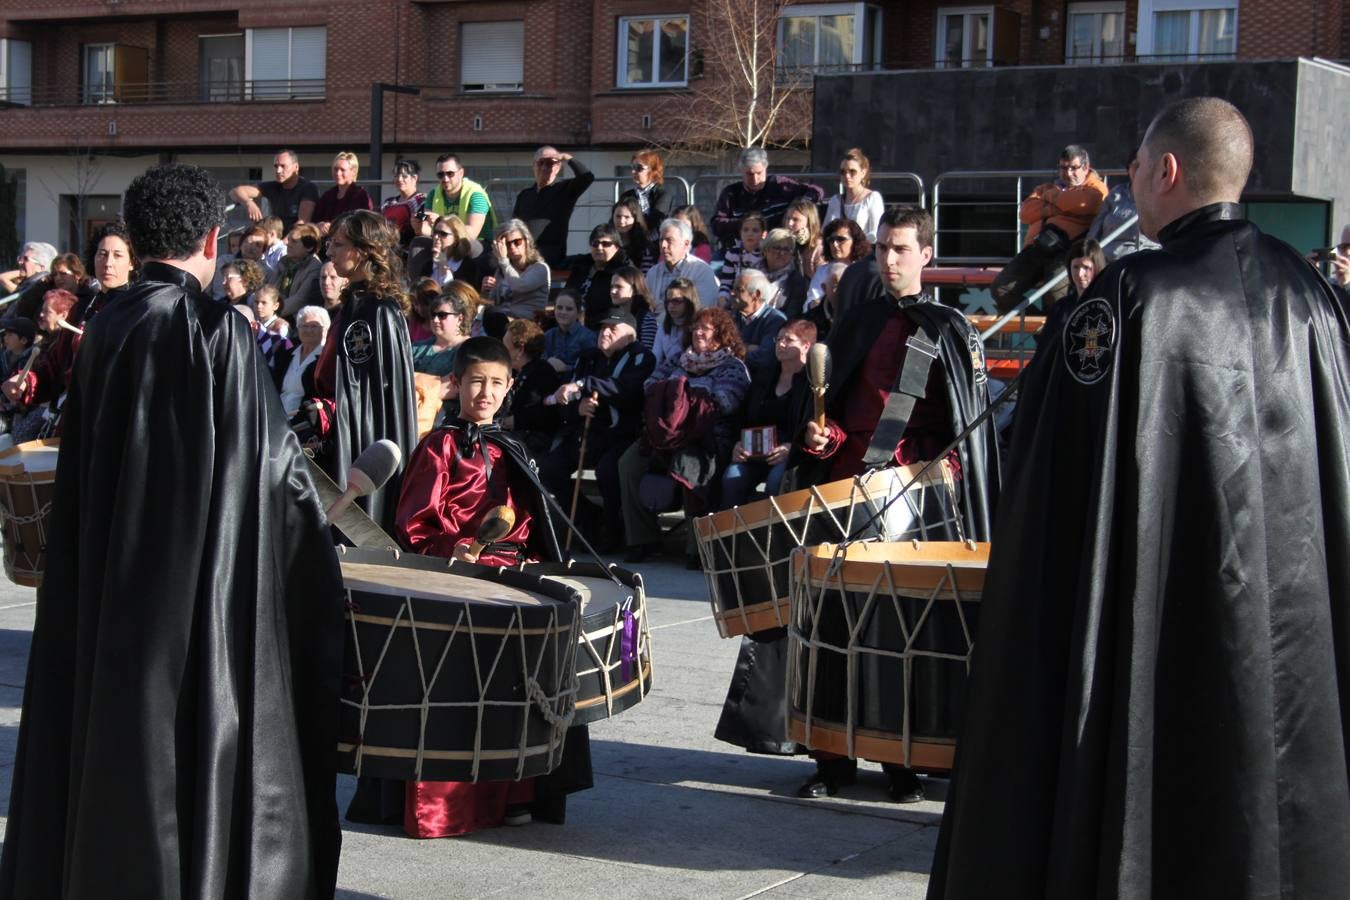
column 180, row 710
column 1159, row 695
column 372, row 393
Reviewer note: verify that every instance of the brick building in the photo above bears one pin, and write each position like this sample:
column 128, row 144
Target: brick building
column 95, row 90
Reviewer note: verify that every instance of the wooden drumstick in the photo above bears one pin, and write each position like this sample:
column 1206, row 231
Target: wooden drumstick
column 69, row 327
column 576, row 487
column 818, row 376
column 496, row 525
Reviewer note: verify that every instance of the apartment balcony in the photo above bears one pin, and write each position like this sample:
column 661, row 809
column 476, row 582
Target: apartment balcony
column 161, row 92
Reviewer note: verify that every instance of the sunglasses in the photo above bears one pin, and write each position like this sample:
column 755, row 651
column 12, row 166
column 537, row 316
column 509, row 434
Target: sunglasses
column 638, row 167
column 450, row 174
column 443, row 314
column 549, row 162
column 602, row 243
column 515, row 242
column 840, row 238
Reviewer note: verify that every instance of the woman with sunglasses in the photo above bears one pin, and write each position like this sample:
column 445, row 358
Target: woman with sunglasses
column 844, row 242
column 451, row 317
column 672, row 332
column 454, row 254
column 520, row 284
column 589, row 274
column 856, row 200
column 648, row 190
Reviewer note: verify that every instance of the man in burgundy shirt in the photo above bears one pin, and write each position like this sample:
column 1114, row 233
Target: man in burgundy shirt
column 871, row 346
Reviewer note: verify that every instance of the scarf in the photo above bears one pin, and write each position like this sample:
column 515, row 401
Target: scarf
column 703, row 363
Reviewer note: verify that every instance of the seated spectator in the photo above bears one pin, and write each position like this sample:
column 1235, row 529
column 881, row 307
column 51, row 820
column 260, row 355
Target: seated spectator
column 344, row 196
column 633, row 237
column 691, row 413
column 404, row 210
column 532, row 379
column 780, row 398
column 677, row 262
column 1086, row 261
column 745, row 255
column 291, row 196
column 331, row 285
column 1117, row 209
column 858, row 202
column 825, row 313
column 34, row 263
column 460, row 196
column 546, row 206
column 37, row 398
column 17, row 336
column 241, row 279
column 253, row 246
column 1056, row 213
column 843, row 242
column 276, row 246
column 229, row 255
column 589, row 274
column 273, row 339
column 424, row 293
column 629, row 293
column 453, row 257
column 297, row 381
column 757, row 191
column 756, row 318
column 452, row 313
column 780, row 264
column 649, row 177
column 520, row 283
column 67, row 274
column 672, row 333
column 606, row 391
column 296, row 276
column 564, row 342
column 803, row 220
column 702, row 246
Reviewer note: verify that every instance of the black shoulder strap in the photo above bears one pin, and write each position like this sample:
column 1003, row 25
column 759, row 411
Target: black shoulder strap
column 910, row 386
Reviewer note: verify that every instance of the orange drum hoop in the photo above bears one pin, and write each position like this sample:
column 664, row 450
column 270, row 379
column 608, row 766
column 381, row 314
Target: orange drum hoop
column 745, row 550
column 27, row 486
column 879, row 648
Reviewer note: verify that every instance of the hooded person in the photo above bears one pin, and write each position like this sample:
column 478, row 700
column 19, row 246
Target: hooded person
column 180, row 709
column 1158, row 694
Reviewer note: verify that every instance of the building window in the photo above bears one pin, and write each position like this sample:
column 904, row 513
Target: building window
column 1095, row 33
column 1180, row 30
column 828, row 37
column 492, row 56
column 285, row 63
column 221, row 72
column 115, row 73
column 965, row 37
column 653, row 51
column 16, row 72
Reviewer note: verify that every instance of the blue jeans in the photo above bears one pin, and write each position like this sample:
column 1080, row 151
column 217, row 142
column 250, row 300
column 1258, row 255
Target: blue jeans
column 739, row 480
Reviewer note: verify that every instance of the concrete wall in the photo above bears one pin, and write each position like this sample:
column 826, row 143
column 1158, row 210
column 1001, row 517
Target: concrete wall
column 1322, row 137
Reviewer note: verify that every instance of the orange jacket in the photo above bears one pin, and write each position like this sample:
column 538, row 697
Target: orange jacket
column 1069, row 209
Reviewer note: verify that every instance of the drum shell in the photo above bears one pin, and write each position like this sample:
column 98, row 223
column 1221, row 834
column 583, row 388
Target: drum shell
column 26, row 496
column 745, row 552
column 925, row 681
column 478, row 656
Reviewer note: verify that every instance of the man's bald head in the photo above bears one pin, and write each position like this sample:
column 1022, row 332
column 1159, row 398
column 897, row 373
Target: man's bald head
column 1212, row 142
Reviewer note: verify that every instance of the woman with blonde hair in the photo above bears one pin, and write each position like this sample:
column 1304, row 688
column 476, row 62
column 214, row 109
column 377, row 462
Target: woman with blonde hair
column 856, row 200
column 520, row 284
column 802, row 219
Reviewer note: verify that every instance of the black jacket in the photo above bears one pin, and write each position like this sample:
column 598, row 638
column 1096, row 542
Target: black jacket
column 617, row 381
column 1158, row 700
column 180, row 710
column 593, row 284
column 660, row 203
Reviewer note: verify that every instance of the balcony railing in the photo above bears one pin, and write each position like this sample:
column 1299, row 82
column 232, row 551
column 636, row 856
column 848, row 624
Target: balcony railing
column 786, row 74
column 159, row 92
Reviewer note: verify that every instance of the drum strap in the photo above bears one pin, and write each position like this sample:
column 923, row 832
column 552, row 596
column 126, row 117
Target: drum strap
column 910, row 387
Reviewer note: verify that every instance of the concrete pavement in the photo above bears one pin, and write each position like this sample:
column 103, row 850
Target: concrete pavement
column 674, row 813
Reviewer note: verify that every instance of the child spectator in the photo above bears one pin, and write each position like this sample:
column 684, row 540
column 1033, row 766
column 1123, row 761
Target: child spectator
column 745, row 255
column 564, row 342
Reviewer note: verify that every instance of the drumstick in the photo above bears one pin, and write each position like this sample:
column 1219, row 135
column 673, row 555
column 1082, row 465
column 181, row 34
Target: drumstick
column 576, row 485
column 69, row 327
column 496, row 525
column 369, row 471
column 818, row 375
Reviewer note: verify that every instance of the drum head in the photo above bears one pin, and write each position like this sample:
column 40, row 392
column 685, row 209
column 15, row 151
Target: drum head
column 37, row 458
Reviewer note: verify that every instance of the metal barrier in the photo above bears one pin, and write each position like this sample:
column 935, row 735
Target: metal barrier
column 1019, row 190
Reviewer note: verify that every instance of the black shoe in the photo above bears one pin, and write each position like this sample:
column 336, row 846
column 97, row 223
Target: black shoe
column 829, row 777
column 903, row 785
column 640, row 552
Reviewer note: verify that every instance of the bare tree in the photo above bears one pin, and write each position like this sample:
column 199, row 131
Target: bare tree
column 741, row 100
column 85, row 175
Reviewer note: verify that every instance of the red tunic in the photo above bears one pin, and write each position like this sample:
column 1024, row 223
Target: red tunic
column 446, row 493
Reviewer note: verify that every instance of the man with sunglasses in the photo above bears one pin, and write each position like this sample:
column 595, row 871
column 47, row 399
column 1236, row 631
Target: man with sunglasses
column 458, row 194
column 546, row 206
column 1056, row 214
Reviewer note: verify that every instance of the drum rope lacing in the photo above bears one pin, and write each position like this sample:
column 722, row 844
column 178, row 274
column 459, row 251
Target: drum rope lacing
column 38, row 516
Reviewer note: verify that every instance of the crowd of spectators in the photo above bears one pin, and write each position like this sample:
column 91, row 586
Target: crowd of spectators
column 656, row 346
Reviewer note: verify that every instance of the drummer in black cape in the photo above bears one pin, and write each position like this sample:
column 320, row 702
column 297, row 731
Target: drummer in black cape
column 908, row 377
column 364, row 375
column 1158, row 700
column 180, row 710
column 456, row 478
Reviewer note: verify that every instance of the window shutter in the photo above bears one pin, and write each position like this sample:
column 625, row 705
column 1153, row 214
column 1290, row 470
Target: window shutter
column 492, row 56
column 308, row 52
column 269, row 64
column 18, row 72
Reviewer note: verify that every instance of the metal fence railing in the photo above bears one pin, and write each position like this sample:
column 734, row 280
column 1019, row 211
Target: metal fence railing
column 160, row 92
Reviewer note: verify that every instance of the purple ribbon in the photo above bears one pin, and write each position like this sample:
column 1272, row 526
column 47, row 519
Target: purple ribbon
column 628, row 646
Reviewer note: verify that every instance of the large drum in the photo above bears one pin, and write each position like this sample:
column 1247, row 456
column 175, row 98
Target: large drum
column 454, row 676
column 745, row 550
column 614, row 655
column 879, row 648
column 27, row 486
